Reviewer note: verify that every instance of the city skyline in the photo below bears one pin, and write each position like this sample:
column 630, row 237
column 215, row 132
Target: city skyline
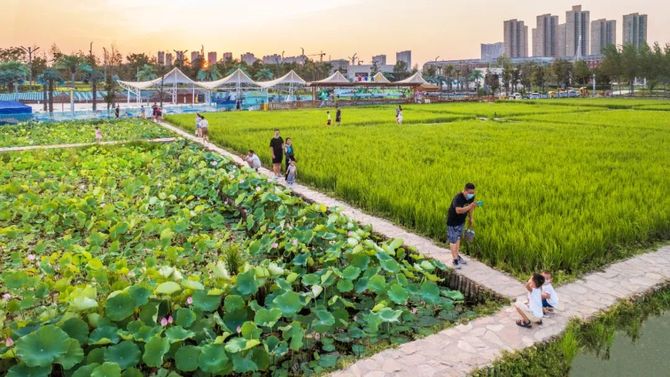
column 428, row 28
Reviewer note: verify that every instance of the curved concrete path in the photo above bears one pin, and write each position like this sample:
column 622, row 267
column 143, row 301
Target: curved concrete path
column 80, row 145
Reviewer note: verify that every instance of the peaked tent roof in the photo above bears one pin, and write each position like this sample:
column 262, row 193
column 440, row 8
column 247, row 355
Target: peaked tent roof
column 415, row 79
column 290, row 78
column 380, row 78
column 175, row 76
column 335, row 78
column 236, row 78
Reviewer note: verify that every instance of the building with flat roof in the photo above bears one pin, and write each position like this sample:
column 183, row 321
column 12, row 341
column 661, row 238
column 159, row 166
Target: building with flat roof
column 227, row 56
column 635, row 29
column 160, row 59
column 516, row 39
column 364, row 72
column 169, row 59
column 211, row 58
column 490, row 52
column 545, row 36
column 577, row 34
column 248, row 58
column 603, row 34
column 195, row 55
column 273, row 59
column 379, row 59
column 404, row 56
column 341, row 65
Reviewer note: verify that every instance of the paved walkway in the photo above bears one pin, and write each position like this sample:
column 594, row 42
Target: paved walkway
column 61, row 146
column 485, row 276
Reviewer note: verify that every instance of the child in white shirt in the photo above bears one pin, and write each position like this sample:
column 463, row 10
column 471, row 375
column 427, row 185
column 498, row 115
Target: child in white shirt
column 532, row 311
column 549, row 295
column 253, row 160
column 291, row 173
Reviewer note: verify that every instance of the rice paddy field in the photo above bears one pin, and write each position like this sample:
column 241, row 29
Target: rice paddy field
column 568, row 185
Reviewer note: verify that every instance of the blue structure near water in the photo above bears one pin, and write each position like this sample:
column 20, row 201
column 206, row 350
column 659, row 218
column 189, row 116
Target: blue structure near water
column 12, row 112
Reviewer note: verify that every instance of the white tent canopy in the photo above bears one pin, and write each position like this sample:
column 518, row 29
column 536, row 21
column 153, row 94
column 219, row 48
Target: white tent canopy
column 172, row 78
column 289, row 79
column 335, row 78
column 236, row 79
column 415, row 79
column 380, row 78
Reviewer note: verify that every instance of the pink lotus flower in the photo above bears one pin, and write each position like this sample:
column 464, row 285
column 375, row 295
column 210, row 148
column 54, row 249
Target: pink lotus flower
column 9, row 342
column 213, row 163
column 6, row 296
column 31, row 257
column 295, row 242
column 238, row 329
column 275, row 245
column 164, row 322
column 169, row 319
column 189, row 300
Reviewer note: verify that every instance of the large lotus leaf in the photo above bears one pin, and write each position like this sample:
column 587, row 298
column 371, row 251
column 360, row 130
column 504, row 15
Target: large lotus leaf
column 149, row 313
column 184, row 317
column 104, row 335
column 213, row 359
column 236, row 345
column 430, row 292
column 454, row 295
column 187, row 358
column 233, row 303
column 242, row 364
column 86, row 370
column 73, row 356
column 96, row 356
column 249, row 330
column 377, row 283
column 82, row 303
column 389, row 315
column 107, row 370
column 360, row 261
column 42, row 347
column 389, row 264
column 351, row 272
column 295, row 333
column 328, row 361
column 260, row 357
column 167, row 288
column 139, row 294
column 177, row 334
column 76, row 328
column 267, row 317
column 205, row 302
column 246, row 283
column 372, row 323
column 126, row 354
column 289, row 303
column 324, row 320
column 345, row 285
column 193, row 285
column 398, row 294
column 310, row 279
column 22, row 370
column 154, row 351
column 119, row 307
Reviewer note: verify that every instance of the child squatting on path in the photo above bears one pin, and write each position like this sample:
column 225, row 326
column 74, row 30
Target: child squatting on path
column 532, row 310
column 549, row 295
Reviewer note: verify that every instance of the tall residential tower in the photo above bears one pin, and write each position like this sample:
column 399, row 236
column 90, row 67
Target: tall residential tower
column 635, row 29
column 577, row 32
column 603, row 34
column 516, row 39
column 545, row 36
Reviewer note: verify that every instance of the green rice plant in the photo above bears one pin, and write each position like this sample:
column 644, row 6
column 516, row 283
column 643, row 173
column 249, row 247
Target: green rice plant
column 568, row 188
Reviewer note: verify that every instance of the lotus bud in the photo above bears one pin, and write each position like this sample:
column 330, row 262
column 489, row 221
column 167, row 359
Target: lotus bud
column 238, row 329
column 169, row 319
column 189, row 300
column 31, row 257
column 6, row 296
column 275, row 245
column 164, row 322
column 9, row 342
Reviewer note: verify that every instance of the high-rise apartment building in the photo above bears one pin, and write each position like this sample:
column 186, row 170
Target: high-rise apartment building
column 248, row 58
column 227, row 56
column 516, row 39
column 603, row 34
column 404, row 56
column 635, row 29
column 379, row 60
column 211, row 58
column 195, row 55
column 492, row 51
column 577, row 32
column 160, row 59
column 545, row 36
column 169, row 59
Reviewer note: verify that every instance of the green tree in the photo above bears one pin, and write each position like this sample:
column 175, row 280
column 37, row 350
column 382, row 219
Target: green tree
column 630, row 62
column 70, row 64
column 400, row 70
column 539, row 77
column 93, row 75
column 11, row 54
column 12, row 74
column 562, row 70
column 582, row 72
column 146, row 72
column 264, row 74
column 47, row 79
column 476, row 76
column 506, row 64
column 611, row 65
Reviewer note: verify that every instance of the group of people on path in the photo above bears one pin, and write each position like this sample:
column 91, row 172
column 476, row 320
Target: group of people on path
column 202, row 127
column 281, row 151
column 542, row 298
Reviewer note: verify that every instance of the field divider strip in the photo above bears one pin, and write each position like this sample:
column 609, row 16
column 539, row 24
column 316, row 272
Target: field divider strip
column 498, row 282
column 80, row 145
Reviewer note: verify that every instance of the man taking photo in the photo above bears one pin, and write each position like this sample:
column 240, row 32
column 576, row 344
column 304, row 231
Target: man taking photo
column 462, row 207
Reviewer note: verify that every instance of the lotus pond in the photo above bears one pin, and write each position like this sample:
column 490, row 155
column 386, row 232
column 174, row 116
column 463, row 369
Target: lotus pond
column 167, row 260
column 43, row 133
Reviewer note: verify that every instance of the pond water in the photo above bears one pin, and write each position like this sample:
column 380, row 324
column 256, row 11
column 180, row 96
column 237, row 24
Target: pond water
column 649, row 355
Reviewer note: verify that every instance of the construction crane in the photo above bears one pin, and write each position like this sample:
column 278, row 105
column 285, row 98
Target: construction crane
column 320, row 55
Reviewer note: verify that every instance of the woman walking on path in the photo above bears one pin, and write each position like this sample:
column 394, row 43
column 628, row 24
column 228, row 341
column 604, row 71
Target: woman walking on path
column 198, row 119
column 289, row 152
column 204, row 129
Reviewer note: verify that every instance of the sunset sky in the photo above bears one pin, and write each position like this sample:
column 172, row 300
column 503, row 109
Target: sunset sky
column 430, row 28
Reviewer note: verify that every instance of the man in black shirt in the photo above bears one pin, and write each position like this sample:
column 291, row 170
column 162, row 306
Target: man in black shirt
column 338, row 116
column 277, row 152
column 461, row 209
